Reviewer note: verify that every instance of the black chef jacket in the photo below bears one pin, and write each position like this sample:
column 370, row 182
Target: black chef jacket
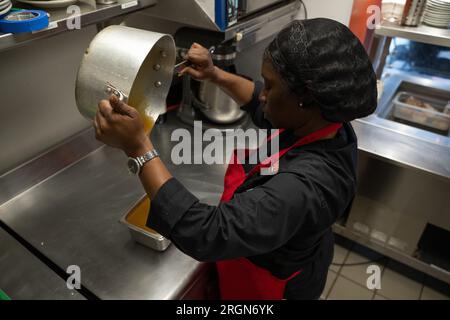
column 281, row 222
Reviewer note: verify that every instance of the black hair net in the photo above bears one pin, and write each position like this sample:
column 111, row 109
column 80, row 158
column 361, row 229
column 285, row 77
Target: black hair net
column 325, row 64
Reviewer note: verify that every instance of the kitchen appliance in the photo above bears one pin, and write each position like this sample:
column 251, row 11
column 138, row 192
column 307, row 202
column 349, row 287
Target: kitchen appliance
column 135, row 63
column 203, row 100
column 212, row 101
column 229, row 12
column 216, row 105
column 260, row 18
column 186, row 63
column 247, row 7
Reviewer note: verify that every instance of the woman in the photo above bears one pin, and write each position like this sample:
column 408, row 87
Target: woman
column 271, row 234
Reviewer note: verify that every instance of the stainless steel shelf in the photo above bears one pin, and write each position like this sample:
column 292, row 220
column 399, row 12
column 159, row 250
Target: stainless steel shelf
column 422, row 33
column 61, row 20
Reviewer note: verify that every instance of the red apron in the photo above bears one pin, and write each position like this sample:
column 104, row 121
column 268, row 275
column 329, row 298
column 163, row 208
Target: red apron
column 240, row 279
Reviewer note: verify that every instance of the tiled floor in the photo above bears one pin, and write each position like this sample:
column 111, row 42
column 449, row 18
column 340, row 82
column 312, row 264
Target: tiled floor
column 347, row 278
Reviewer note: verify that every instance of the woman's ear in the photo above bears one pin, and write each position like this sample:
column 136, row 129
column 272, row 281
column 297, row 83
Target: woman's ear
column 306, row 100
column 302, row 101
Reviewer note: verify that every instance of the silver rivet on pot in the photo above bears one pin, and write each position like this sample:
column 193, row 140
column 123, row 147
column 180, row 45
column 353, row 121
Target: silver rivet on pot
column 157, row 67
column 163, row 54
column 158, row 84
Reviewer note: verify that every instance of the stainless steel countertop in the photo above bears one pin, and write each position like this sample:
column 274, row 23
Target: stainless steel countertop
column 23, row 276
column 404, row 149
column 73, row 218
column 399, row 143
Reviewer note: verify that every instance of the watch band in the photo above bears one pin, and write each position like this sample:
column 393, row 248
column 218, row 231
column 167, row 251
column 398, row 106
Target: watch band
column 147, row 157
column 135, row 164
column 142, row 160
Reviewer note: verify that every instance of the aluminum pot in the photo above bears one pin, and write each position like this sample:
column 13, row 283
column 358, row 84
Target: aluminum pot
column 136, row 63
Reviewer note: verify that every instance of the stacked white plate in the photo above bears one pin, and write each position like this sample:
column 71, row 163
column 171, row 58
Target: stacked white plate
column 437, row 13
column 5, row 6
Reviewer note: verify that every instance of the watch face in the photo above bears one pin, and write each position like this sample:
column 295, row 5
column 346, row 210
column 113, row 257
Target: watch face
column 133, row 166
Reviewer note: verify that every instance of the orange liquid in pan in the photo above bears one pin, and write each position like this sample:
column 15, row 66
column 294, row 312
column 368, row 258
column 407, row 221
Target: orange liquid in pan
column 139, row 214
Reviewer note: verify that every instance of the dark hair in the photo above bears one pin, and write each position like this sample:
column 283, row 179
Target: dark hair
column 325, row 64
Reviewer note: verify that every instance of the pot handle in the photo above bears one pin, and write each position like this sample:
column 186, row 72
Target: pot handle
column 111, row 89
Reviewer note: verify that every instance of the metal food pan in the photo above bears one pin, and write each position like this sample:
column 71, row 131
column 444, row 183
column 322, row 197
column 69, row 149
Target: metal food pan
column 150, row 239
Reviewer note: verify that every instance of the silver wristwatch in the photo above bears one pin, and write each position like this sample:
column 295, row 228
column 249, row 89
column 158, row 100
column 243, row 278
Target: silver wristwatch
column 135, row 164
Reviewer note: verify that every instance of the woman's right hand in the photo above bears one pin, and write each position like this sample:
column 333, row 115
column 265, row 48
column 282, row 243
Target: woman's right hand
column 202, row 67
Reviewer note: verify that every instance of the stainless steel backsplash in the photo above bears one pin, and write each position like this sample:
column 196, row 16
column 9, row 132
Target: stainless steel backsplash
column 38, row 107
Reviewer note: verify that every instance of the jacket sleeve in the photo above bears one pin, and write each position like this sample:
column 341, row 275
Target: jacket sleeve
column 254, row 108
column 252, row 223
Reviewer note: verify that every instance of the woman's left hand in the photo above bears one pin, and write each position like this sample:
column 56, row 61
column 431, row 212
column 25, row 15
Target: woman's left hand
column 120, row 126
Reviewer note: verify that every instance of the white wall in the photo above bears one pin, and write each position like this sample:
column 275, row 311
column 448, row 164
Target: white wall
column 339, row 10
